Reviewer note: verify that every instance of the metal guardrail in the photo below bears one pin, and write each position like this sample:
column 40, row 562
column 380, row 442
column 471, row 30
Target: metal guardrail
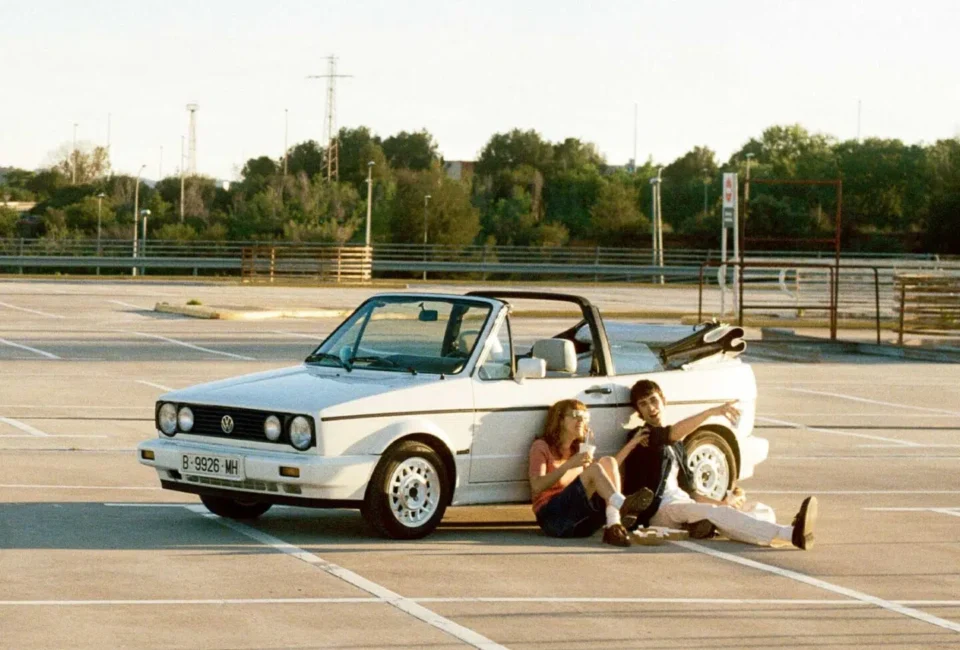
column 597, row 263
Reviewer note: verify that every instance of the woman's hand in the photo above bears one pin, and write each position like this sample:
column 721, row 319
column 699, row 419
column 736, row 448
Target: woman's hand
column 580, row 459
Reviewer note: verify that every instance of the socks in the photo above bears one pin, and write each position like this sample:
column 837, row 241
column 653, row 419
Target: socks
column 613, row 516
column 613, row 508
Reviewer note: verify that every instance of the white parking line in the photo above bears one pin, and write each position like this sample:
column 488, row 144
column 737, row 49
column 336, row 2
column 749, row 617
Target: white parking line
column 853, row 492
column 871, row 401
column 54, row 435
column 797, row 425
column 127, row 304
column 24, row 486
column 29, row 349
column 389, row 597
column 32, row 311
column 955, row 512
column 827, row 586
column 23, row 426
column 152, row 385
column 298, row 334
column 194, row 347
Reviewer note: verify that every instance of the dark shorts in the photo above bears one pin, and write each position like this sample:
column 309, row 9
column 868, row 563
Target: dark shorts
column 572, row 514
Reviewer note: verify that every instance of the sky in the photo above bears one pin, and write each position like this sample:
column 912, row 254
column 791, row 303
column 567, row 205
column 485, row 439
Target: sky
column 698, row 72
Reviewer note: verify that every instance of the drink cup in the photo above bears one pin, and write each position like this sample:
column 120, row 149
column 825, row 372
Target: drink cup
column 588, row 448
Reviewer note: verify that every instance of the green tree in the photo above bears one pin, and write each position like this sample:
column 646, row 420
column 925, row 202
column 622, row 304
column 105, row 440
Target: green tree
column 357, row 148
column 257, row 173
column 416, row 151
column 451, row 220
column 616, row 215
column 8, row 221
column 306, row 158
column 92, row 162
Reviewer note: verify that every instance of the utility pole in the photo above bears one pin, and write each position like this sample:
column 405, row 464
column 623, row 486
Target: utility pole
column 193, row 107
column 136, row 217
column 706, row 181
column 426, row 200
column 286, row 123
column 369, row 199
column 74, row 181
column 160, row 168
column 182, row 183
column 333, row 144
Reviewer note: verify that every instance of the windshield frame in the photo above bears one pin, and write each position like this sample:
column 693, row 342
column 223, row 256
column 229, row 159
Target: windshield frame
column 361, row 316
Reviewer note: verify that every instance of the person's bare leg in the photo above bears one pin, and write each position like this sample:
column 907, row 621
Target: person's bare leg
column 596, row 481
column 612, row 470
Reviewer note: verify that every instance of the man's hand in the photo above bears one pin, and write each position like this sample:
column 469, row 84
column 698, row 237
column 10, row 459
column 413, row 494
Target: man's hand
column 728, row 410
column 642, row 439
column 735, row 498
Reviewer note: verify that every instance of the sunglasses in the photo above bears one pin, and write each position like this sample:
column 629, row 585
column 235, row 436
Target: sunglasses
column 584, row 416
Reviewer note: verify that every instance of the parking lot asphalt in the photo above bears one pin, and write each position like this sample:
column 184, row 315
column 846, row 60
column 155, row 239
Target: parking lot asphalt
column 94, row 555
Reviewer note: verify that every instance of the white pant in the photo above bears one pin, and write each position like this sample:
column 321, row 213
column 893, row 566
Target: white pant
column 735, row 524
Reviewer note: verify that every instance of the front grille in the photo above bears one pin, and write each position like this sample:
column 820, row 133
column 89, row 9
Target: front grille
column 247, row 423
column 247, row 484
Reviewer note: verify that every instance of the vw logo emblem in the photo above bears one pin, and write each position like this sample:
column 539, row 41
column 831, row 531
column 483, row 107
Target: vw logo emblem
column 226, row 423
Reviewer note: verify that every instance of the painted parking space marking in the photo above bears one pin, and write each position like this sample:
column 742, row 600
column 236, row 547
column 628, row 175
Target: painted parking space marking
column 127, row 304
column 23, row 426
column 870, row 401
column 838, row 432
column 298, row 335
column 56, row 435
column 853, row 492
column 42, row 353
column 153, row 385
column 32, row 311
column 954, row 512
column 823, row 584
column 27, row 486
column 389, row 597
column 193, row 347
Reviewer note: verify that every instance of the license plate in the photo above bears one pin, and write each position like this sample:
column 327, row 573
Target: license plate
column 228, row 467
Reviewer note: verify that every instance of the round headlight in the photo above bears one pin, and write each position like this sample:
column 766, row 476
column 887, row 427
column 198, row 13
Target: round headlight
column 185, row 418
column 167, row 419
column 271, row 428
column 300, row 434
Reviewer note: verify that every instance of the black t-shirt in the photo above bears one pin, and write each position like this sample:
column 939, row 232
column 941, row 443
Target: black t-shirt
column 649, row 467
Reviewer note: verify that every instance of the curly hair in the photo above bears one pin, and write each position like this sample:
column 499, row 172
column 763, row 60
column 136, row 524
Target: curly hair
column 551, row 430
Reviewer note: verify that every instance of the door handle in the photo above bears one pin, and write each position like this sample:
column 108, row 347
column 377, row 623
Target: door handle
column 603, row 390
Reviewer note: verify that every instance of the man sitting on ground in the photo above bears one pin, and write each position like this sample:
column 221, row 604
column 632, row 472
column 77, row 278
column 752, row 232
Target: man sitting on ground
column 654, row 457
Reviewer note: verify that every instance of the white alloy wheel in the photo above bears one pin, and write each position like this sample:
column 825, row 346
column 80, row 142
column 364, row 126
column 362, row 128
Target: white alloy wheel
column 710, row 468
column 414, row 491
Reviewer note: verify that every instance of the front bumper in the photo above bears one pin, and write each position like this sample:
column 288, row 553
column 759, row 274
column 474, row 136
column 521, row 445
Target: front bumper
column 322, row 478
column 753, row 451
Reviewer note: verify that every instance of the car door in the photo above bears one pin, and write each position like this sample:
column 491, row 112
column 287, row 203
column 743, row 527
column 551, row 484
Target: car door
column 510, row 414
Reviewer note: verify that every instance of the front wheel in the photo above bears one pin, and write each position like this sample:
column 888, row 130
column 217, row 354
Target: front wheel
column 408, row 493
column 711, row 464
column 234, row 508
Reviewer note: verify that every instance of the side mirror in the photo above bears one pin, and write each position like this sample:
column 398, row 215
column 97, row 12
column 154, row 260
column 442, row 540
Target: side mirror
column 428, row 316
column 531, row 368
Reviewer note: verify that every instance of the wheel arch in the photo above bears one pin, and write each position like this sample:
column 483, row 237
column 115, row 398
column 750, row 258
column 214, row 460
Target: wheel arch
column 435, row 442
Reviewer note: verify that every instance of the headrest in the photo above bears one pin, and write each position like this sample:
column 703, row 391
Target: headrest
column 560, row 354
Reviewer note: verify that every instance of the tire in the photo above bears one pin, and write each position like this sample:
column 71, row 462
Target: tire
column 712, row 464
column 408, row 493
column 234, row 508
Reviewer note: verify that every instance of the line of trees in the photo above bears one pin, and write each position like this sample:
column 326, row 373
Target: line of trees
column 522, row 190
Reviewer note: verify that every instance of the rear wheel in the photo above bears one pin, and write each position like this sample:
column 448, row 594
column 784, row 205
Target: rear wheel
column 234, row 508
column 711, row 464
column 408, row 493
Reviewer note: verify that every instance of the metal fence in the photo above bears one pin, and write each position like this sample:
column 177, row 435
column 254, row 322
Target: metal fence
column 597, row 263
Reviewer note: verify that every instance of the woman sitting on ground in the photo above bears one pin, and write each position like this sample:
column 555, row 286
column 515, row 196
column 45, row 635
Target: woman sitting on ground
column 573, row 496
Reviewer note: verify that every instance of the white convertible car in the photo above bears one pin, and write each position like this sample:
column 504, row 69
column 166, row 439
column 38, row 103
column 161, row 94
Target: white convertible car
column 419, row 401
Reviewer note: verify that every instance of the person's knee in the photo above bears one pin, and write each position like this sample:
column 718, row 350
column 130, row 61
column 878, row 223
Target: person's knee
column 609, row 463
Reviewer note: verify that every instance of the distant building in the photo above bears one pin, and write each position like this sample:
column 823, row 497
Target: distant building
column 459, row 170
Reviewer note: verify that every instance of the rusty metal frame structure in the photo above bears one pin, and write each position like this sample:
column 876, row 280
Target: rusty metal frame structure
column 835, row 240
column 833, row 308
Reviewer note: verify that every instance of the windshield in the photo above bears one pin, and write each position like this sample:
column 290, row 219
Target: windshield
column 406, row 334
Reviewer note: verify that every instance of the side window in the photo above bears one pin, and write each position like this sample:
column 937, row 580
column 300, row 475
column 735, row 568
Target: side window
column 499, row 355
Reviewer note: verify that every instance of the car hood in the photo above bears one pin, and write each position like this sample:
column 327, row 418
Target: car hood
column 299, row 389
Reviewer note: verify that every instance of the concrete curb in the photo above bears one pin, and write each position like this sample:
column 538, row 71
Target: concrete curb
column 239, row 313
column 905, row 352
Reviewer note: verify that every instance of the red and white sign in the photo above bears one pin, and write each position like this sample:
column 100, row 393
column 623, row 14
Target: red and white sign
column 729, row 190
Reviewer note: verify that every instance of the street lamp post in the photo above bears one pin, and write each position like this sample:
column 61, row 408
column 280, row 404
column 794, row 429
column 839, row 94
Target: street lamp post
column 74, row 152
column 706, row 182
column 143, row 240
column 99, row 226
column 136, row 223
column 426, row 200
column 369, row 199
